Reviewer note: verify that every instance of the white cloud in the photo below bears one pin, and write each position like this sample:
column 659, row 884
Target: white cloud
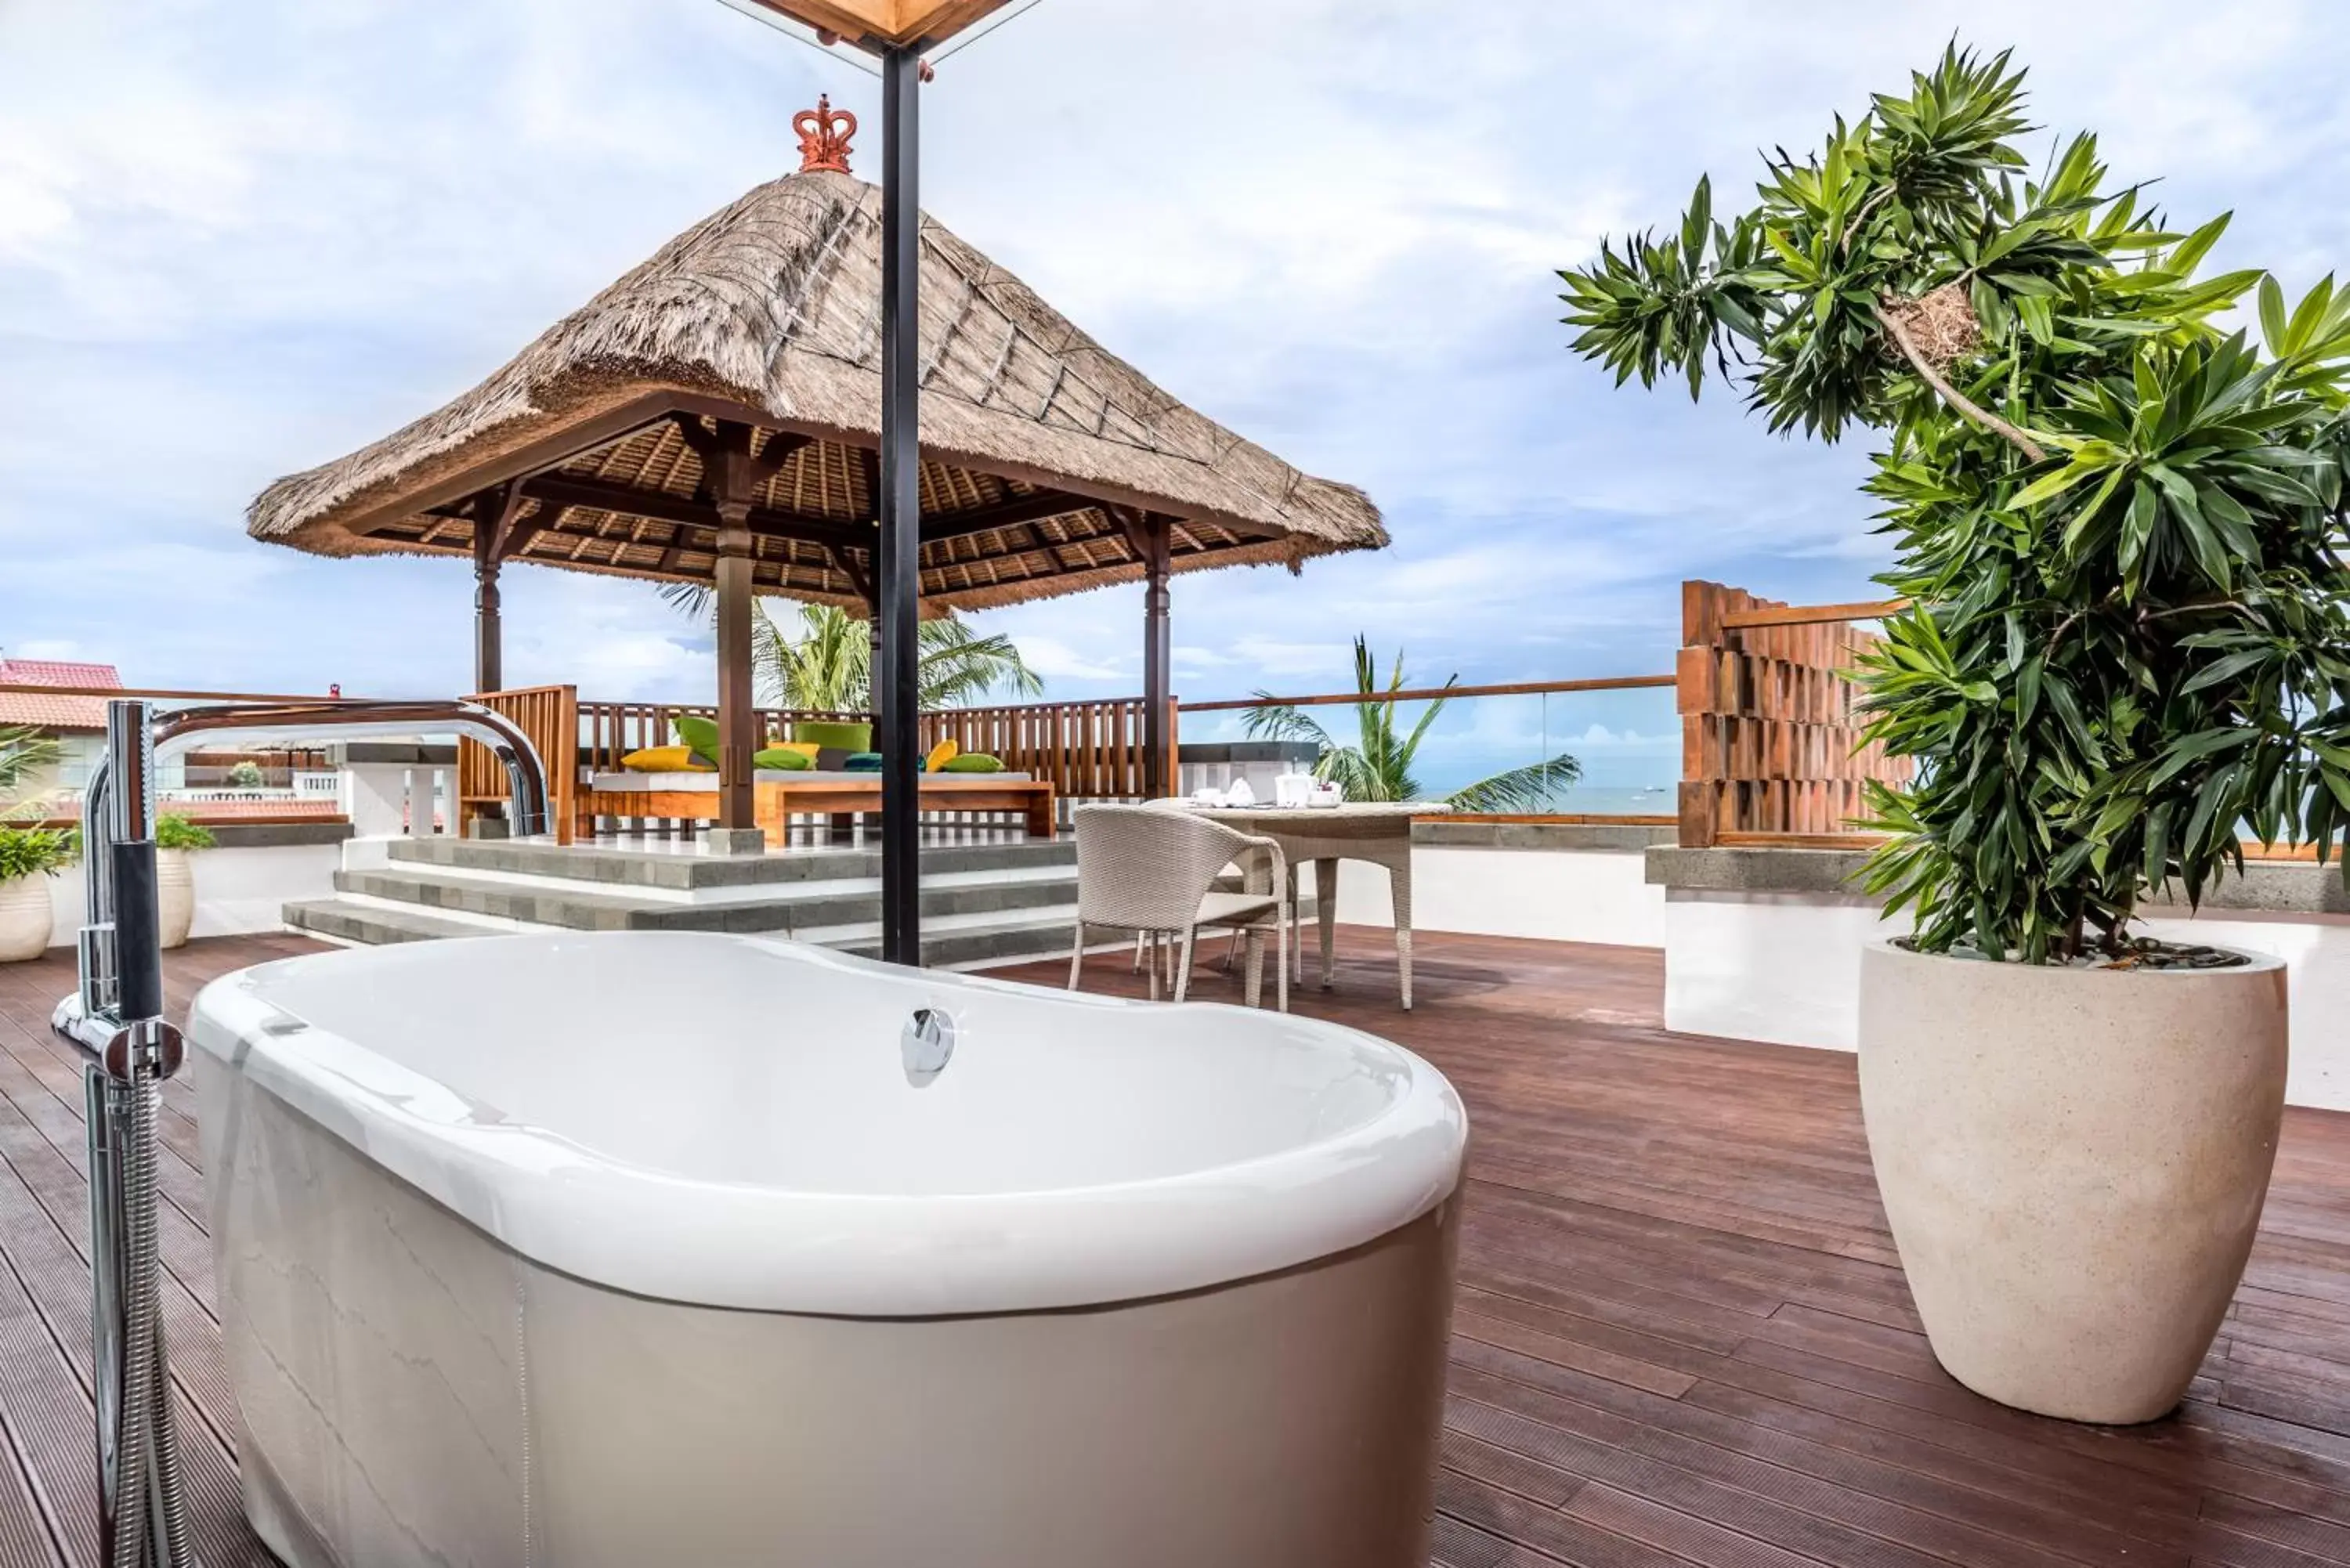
column 272, row 231
column 1056, row 660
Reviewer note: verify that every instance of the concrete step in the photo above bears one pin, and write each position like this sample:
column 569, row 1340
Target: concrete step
column 367, row 921
column 373, row 927
column 681, row 868
column 795, row 907
column 967, row 947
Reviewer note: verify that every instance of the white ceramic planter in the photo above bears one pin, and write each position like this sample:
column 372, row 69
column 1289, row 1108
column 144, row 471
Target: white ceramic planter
column 24, row 918
column 2074, row 1162
column 175, row 896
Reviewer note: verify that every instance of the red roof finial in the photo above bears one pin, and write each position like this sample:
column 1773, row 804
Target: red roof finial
column 824, row 136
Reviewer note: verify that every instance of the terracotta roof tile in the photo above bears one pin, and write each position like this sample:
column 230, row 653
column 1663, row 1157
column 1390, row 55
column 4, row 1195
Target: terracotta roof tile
column 45, row 713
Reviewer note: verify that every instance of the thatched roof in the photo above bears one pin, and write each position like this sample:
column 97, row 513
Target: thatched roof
column 1041, row 449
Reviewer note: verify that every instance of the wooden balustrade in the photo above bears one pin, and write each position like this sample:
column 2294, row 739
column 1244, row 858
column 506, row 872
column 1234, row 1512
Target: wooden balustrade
column 549, row 717
column 1085, row 751
column 1771, row 735
column 610, row 730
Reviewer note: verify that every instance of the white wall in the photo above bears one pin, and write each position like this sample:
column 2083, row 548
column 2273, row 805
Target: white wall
column 1785, row 968
column 1559, row 895
column 237, row 889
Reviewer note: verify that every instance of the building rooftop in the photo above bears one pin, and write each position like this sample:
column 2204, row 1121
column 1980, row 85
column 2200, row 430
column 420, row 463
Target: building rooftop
column 56, row 713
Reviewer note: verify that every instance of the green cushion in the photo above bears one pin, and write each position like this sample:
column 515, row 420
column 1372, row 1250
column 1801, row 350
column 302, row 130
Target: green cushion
column 863, row 763
column 780, row 757
column 973, row 762
column 701, row 735
column 829, row 732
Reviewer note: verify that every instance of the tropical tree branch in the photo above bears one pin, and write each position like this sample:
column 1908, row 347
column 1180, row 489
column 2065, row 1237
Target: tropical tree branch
column 1956, row 399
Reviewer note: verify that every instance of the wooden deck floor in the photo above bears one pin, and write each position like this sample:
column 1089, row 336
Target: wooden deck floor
column 1682, row 1335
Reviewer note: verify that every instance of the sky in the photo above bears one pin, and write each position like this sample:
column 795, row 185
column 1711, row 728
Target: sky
column 241, row 237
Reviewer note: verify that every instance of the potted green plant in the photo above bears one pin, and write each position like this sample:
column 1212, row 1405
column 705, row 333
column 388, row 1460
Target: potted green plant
column 2119, row 531
column 28, row 857
column 176, row 839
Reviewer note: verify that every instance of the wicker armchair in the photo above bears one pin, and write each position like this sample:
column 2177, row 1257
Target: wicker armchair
column 1154, row 871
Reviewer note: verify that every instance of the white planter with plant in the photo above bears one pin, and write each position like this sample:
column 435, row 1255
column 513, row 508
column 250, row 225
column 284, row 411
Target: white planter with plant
column 2120, row 538
column 29, row 857
column 177, row 840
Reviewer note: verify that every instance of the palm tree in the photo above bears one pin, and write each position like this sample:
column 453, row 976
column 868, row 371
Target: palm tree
column 1377, row 767
column 22, row 752
column 828, row 666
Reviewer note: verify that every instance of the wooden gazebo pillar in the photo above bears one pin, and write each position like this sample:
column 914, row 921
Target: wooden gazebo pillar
column 493, row 519
column 738, row 714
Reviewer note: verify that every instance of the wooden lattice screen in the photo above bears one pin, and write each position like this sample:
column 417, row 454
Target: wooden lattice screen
column 1770, row 739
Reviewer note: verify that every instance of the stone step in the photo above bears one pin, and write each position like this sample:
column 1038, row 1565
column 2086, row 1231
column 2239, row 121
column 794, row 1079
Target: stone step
column 966, row 947
column 362, row 920
column 802, row 907
column 372, row 927
column 682, row 868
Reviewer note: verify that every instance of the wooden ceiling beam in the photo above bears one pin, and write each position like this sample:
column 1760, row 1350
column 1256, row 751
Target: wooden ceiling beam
column 1004, row 513
column 887, row 21
column 621, row 501
column 561, row 490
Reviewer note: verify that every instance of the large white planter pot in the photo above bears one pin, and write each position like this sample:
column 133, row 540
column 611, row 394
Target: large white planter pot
column 175, row 896
column 2074, row 1162
column 24, row 918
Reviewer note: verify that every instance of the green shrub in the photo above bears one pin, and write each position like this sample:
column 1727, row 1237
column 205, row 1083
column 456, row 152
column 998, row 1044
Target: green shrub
column 178, row 833
column 34, row 852
column 2120, row 521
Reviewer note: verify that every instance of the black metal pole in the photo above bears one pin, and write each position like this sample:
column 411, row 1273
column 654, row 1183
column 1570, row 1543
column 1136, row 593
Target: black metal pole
column 897, row 693
column 1157, row 661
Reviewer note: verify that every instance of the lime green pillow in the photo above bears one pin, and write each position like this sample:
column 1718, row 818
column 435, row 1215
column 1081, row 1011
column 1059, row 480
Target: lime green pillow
column 972, row 763
column 701, row 735
column 832, row 733
column 782, row 757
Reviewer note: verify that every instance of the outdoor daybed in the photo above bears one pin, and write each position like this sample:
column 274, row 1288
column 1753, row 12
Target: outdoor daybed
column 778, row 795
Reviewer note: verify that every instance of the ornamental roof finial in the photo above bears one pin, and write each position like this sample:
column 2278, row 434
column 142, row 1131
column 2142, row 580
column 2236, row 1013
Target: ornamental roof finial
column 824, row 136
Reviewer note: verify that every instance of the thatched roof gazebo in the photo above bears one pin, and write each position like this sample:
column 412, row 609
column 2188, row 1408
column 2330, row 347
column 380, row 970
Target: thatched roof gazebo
column 725, row 414
column 752, row 339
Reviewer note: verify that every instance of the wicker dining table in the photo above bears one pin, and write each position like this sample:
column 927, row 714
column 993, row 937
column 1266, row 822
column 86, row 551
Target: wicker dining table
column 1378, row 832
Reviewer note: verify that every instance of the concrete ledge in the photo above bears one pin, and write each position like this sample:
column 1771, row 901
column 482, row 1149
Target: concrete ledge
column 396, row 753
column 1621, row 837
column 277, row 835
column 2283, row 887
column 1215, row 753
column 2279, row 887
column 1756, row 871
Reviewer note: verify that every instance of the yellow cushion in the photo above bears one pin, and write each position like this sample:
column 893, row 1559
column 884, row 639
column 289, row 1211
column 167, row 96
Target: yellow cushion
column 807, row 749
column 665, row 760
column 940, row 755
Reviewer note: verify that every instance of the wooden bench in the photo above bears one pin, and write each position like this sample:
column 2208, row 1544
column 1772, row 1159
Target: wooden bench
column 774, row 803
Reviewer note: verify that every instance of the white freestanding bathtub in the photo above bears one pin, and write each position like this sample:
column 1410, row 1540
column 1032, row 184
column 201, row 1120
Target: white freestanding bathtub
column 584, row 1251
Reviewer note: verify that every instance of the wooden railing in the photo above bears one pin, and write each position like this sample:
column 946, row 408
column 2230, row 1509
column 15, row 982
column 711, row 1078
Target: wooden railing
column 1087, row 750
column 549, row 717
column 1771, row 735
column 1432, row 693
column 610, row 730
